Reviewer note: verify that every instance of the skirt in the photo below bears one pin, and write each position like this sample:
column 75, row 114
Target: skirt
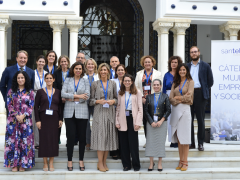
column 156, row 137
column 181, row 124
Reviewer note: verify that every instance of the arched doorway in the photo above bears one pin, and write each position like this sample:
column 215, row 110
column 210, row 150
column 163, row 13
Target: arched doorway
column 112, row 28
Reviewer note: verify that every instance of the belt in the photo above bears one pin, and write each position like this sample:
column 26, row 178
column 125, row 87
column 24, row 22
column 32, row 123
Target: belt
column 196, row 88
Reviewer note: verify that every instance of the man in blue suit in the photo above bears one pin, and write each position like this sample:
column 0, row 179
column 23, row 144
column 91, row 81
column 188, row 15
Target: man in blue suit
column 9, row 72
column 202, row 76
column 114, row 61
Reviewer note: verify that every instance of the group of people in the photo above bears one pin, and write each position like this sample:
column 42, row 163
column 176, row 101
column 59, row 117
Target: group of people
column 38, row 102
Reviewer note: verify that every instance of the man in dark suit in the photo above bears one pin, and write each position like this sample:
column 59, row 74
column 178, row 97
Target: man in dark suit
column 114, row 61
column 9, row 72
column 202, row 76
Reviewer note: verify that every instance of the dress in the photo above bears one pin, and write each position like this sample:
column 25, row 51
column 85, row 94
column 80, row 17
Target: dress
column 48, row 134
column 104, row 133
column 19, row 138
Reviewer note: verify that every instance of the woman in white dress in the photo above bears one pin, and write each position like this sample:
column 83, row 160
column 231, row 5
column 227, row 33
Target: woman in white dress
column 38, row 84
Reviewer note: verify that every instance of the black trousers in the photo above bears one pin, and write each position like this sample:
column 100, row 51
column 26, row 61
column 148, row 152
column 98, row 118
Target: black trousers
column 73, row 126
column 129, row 145
column 199, row 105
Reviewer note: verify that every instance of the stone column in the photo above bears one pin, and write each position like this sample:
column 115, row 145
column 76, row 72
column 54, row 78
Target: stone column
column 174, row 41
column 74, row 24
column 224, row 31
column 4, row 23
column 5, row 55
column 162, row 26
column 180, row 27
column 57, row 23
column 233, row 27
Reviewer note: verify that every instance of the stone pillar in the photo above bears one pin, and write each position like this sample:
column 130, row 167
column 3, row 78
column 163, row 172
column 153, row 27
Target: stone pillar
column 174, row 41
column 225, row 32
column 180, row 27
column 5, row 55
column 57, row 23
column 74, row 24
column 233, row 27
column 162, row 26
column 4, row 23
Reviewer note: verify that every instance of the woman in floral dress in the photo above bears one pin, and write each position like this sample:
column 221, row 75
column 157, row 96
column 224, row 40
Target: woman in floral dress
column 19, row 138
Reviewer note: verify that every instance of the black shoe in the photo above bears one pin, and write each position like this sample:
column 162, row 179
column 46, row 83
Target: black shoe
column 192, row 146
column 160, row 169
column 115, row 157
column 175, row 145
column 136, row 169
column 126, row 169
column 36, row 147
column 75, row 143
column 152, row 167
column 70, row 168
column 172, row 145
column 82, row 168
column 200, row 147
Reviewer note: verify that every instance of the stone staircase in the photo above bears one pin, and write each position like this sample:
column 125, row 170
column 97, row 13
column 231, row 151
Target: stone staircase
column 216, row 162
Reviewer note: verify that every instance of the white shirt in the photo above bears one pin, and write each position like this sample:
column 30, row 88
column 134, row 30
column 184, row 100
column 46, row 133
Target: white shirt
column 194, row 73
column 117, row 83
column 130, row 100
column 37, row 85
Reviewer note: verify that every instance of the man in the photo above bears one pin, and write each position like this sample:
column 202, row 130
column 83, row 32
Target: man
column 81, row 57
column 9, row 72
column 114, row 61
column 202, row 76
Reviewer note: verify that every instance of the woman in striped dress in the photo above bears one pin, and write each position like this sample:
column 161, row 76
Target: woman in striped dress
column 157, row 109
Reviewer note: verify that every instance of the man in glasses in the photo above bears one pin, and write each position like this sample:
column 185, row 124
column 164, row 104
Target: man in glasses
column 81, row 57
column 202, row 76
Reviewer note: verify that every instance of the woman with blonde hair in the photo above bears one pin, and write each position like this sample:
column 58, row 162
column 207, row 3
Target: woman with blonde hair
column 104, row 99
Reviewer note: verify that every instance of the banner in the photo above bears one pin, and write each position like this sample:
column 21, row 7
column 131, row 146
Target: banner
column 225, row 93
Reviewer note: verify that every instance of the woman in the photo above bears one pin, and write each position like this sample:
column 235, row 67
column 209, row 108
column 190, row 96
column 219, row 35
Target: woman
column 60, row 75
column 76, row 90
column 181, row 97
column 91, row 75
column 38, row 84
column 51, row 61
column 129, row 117
column 120, row 72
column 104, row 99
column 48, row 115
column 144, row 81
column 19, row 140
column 173, row 62
column 157, row 110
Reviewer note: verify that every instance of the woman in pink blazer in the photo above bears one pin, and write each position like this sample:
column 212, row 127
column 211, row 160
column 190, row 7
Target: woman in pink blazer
column 129, row 118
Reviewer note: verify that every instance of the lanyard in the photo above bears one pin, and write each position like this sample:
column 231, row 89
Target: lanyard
column 127, row 102
column 49, row 99
column 119, row 84
column 105, row 91
column 92, row 80
column 156, row 103
column 41, row 82
column 52, row 69
column 180, row 90
column 66, row 76
column 148, row 77
column 76, row 88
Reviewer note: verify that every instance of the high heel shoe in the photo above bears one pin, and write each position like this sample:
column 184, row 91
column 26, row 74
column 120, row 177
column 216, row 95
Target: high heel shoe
column 70, row 168
column 184, row 163
column 102, row 170
column 45, row 169
column 179, row 167
column 82, row 168
column 152, row 167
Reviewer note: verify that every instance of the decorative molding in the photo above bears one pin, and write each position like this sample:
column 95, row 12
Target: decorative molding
column 4, row 23
column 225, row 32
column 232, row 27
column 212, row 1
column 74, row 25
column 57, row 24
column 181, row 28
column 162, row 26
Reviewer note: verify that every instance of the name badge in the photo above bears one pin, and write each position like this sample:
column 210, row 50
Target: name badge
column 127, row 113
column 147, row 88
column 106, row 105
column 155, row 118
column 49, row 112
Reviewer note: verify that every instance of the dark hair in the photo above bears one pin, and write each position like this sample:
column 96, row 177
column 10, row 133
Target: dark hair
column 27, row 84
column 41, row 57
column 194, row 47
column 71, row 73
column 160, row 82
column 120, row 65
column 49, row 74
column 55, row 61
column 177, row 77
column 179, row 59
column 133, row 89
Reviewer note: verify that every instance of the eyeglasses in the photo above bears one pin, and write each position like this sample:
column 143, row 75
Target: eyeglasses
column 80, row 57
column 194, row 52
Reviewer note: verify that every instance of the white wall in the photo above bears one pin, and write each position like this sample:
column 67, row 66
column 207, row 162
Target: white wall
column 206, row 33
column 149, row 12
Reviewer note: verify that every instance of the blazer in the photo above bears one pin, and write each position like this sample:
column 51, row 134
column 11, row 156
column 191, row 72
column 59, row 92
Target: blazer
column 46, row 69
column 163, row 110
column 95, row 77
column 81, row 109
column 58, row 79
column 205, row 77
column 7, row 76
column 138, row 81
column 137, row 111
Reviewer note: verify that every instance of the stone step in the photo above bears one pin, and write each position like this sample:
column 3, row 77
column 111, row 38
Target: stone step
column 193, row 162
column 117, row 174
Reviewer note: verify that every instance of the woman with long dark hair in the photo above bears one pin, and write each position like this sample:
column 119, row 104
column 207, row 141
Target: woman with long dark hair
column 181, row 97
column 129, row 117
column 51, row 61
column 19, row 140
column 49, row 118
